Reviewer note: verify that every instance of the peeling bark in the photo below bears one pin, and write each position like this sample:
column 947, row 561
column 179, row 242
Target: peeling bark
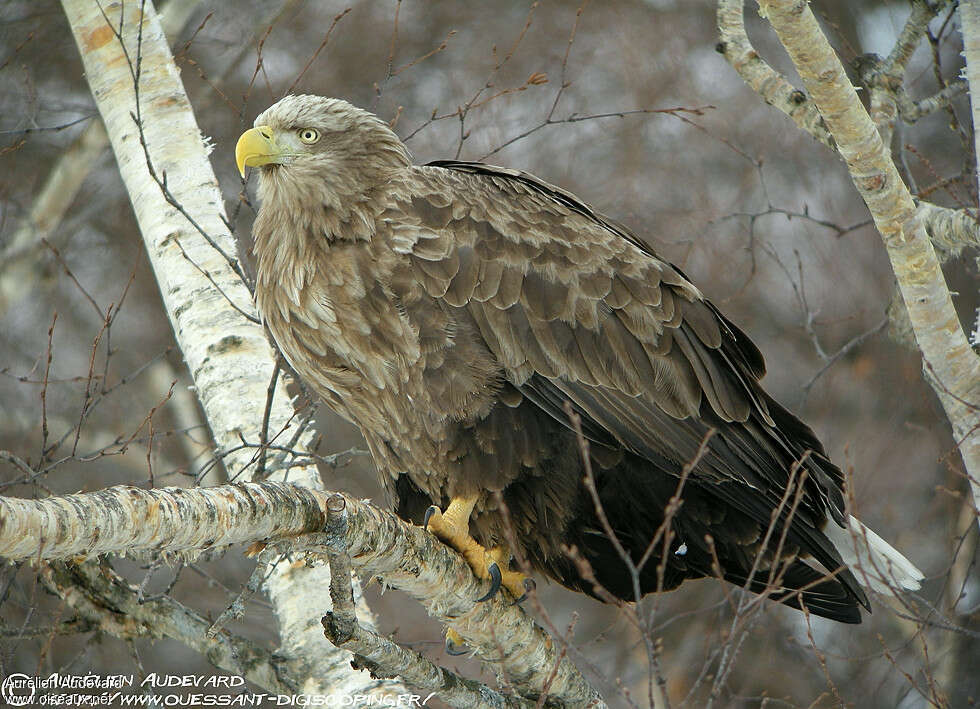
column 303, row 520
column 950, row 229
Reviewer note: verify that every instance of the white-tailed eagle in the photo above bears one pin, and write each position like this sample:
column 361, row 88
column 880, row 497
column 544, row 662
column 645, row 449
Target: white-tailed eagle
column 459, row 312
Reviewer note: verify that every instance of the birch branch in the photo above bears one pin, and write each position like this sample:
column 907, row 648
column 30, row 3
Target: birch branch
column 376, row 653
column 772, row 86
column 114, row 607
column 911, row 111
column 124, row 50
column 372, row 651
column 952, row 367
column 410, row 559
column 19, row 263
column 950, row 229
column 127, row 519
column 373, row 541
column 911, row 35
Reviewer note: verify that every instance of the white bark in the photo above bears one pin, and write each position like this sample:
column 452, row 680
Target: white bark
column 126, row 519
column 301, row 520
column 970, row 22
column 950, row 229
column 228, row 356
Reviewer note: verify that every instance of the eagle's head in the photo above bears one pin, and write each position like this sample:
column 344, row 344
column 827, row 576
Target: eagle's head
column 321, row 149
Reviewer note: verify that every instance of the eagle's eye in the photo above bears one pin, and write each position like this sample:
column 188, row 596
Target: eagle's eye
column 309, row 135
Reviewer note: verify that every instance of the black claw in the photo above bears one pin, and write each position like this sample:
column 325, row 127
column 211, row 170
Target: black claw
column 495, row 579
column 529, row 585
column 454, row 649
column 428, row 515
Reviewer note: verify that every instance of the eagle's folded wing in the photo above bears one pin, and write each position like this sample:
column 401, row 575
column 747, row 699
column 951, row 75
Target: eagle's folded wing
column 574, row 307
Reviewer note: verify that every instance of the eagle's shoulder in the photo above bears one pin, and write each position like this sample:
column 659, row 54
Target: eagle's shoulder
column 538, row 266
column 512, row 216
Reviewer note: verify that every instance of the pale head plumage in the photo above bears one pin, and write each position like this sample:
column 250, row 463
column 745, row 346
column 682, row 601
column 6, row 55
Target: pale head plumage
column 321, row 164
column 349, row 152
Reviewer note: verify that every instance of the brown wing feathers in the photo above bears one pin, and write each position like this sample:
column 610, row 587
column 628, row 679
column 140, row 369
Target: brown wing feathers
column 575, row 307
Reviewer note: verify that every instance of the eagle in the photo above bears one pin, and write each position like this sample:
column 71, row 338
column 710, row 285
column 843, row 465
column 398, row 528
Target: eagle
column 534, row 382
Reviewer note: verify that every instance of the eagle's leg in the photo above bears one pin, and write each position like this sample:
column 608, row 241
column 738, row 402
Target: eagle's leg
column 452, row 526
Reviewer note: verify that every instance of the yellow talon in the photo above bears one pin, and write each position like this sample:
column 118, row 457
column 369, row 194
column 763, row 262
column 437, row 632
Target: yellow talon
column 454, row 642
column 516, row 583
column 452, row 526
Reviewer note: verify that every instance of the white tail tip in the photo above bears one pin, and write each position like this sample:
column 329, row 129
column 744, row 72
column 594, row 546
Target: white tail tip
column 876, row 563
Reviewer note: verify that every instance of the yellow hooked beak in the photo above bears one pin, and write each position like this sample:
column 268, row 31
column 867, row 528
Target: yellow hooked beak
column 257, row 147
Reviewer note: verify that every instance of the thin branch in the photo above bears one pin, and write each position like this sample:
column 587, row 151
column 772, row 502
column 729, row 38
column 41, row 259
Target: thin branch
column 911, row 111
column 576, row 118
column 830, row 360
column 772, row 86
column 326, row 38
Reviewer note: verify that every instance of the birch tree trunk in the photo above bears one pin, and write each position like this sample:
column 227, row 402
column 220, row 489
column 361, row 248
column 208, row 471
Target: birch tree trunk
column 970, row 22
column 227, row 354
column 950, row 364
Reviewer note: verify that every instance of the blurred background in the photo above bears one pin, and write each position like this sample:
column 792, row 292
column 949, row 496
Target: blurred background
column 764, row 219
